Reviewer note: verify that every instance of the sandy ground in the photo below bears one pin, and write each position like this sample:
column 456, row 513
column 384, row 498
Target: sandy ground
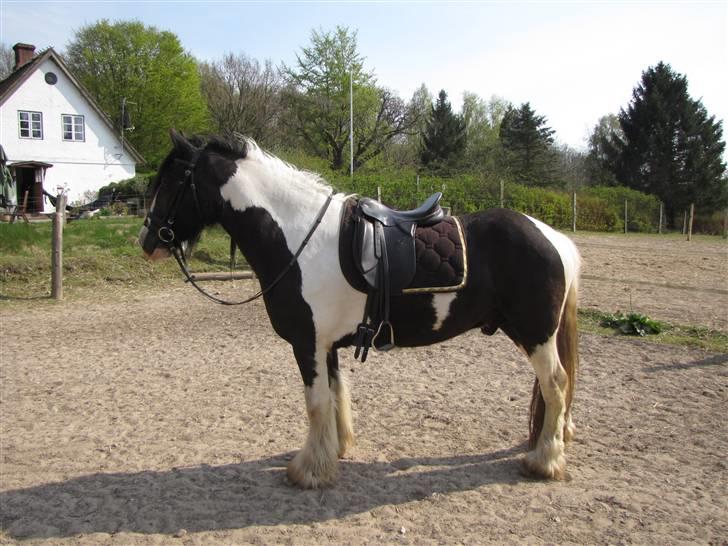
column 160, row 418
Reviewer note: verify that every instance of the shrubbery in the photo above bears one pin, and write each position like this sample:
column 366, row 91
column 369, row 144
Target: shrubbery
column 598, row 208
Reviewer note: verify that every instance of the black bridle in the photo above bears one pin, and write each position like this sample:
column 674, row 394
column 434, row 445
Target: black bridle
column 165, row 233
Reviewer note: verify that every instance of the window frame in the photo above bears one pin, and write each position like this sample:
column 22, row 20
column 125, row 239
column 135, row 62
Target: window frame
column 30, row 123
column 74, row 135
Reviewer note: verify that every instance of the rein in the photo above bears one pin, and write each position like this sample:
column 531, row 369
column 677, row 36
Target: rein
column 166, row 235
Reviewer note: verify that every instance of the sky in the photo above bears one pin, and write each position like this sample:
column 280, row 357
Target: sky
column 573, row 61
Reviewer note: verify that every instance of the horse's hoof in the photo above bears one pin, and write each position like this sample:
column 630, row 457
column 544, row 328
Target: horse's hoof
column 533, row 466
column 306, row 476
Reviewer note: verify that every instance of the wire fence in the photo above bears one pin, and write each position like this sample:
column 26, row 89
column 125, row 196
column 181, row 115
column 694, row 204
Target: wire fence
column 607, row 209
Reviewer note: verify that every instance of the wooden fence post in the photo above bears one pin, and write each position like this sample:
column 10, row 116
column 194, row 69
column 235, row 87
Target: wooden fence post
column 690, row 223
column 502, row 193
column 379, row 193
column 725, row 225
column 685, row 222
column 59, row 218
column 625, row 216
column 659, row 222
column 573, row 213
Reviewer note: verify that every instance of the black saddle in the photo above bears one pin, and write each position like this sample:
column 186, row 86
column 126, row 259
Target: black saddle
column 384, row 254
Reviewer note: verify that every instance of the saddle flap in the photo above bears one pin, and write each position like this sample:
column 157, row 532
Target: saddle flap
column 365, row 255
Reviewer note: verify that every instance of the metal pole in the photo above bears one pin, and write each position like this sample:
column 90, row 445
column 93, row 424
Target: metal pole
column 351, row 123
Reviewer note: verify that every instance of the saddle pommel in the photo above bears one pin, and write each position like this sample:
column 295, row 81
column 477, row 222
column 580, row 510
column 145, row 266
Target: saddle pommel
column 426, row 214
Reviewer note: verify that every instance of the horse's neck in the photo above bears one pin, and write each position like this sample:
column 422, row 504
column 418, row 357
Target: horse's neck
column 273, row 209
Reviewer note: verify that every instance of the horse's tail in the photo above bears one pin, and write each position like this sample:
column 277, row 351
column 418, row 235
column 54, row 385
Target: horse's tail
column 567, row 346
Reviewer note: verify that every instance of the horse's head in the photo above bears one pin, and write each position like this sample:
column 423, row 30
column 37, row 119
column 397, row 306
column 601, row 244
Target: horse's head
column 185, row 197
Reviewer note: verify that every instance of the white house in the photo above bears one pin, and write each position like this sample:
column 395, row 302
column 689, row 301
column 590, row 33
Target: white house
column 54, row 134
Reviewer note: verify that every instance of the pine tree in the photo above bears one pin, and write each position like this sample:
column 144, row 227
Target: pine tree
column 670, row 146
column 444, row 138
column 526, row 141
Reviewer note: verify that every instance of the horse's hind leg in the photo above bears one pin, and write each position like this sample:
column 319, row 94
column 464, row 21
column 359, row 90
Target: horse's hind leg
column 547, row 457
column 316, row 464
column 340, row 390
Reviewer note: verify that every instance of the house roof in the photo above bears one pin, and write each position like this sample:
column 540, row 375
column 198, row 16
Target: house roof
column 12, row 83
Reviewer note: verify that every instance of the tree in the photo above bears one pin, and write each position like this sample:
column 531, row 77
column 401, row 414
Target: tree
column 671, row 147
column 526, row 143
column 242, row 96
column 445, row 136
column 603, row 149
column 317, row 94
column 7, row 61
column 149, row 68
column 404, row 150
column 570, row 167
column 482, row 122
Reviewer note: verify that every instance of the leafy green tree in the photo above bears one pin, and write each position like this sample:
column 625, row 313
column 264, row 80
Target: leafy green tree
column 317, row 96
column 526, row 143
column 404, row 150
column 670, row 146
column 148, row 67
column 601, row 158
column 445, row 136
column 482, row 122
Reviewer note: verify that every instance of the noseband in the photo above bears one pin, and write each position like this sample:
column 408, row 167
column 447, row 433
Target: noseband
column 166, row 235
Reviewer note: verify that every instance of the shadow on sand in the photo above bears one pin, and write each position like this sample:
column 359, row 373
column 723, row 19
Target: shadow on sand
column 235, row 496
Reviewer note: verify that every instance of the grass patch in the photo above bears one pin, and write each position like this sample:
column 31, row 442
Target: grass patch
column 97, row 253
column 602, row 323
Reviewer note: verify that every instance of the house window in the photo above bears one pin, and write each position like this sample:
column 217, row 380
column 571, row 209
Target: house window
column 73, row 128
column 30, row 124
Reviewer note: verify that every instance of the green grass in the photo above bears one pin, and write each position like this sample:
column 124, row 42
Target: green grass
column 97, row 253
column 602, row 323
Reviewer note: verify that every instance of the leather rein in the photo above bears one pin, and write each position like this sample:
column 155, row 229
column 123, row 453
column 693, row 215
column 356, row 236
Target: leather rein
column 166, row 235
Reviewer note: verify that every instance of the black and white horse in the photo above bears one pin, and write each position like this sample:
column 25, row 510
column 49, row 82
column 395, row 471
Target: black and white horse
column 522, row 278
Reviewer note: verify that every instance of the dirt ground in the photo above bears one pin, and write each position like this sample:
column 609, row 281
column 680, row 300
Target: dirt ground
column 160, row 418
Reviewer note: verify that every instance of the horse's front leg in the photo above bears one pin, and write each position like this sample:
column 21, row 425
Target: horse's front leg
column 340, row 390
column 316, row 464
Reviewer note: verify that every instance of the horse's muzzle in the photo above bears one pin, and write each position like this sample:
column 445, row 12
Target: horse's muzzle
column 149, row 243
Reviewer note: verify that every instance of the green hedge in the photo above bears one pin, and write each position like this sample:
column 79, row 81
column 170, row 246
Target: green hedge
column 598, row 208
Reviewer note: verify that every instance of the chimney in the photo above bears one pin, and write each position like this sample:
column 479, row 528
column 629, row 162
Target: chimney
column 23, row 54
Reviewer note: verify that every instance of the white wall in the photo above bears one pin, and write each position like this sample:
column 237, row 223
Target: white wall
column 80, row 166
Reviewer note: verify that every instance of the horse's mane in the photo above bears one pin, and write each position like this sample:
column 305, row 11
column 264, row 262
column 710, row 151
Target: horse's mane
column 238, row 147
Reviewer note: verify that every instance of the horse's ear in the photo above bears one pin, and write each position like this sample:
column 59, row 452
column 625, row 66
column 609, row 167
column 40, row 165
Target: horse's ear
column 180, row 142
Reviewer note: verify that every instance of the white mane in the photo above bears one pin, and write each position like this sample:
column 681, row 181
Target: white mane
column 284, row 170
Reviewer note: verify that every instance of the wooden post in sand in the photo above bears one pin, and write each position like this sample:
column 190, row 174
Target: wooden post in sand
column 59, row 218
column 659, row 222
column 690, row 223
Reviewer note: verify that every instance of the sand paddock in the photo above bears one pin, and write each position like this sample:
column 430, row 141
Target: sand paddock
column 160, row 418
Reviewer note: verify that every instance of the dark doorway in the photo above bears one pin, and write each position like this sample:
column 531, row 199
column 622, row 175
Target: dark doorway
column 30, row 180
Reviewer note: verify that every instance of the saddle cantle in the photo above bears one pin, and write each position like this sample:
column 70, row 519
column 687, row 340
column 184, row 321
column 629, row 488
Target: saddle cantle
column 385, row 247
